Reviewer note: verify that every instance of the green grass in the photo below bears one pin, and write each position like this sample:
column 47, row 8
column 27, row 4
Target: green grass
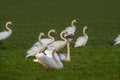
column 99, row 60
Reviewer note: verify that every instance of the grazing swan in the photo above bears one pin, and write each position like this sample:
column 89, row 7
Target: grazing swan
column 70, row 30
column 82, row 40
column 35, row 49
column 5, row 34
column 60, row 43
column 66, row 57
column 117, row 40
column 48, row 40
column 49, row 62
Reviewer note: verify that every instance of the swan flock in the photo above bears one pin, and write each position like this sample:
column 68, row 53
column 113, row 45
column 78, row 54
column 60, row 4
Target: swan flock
column 46, row 50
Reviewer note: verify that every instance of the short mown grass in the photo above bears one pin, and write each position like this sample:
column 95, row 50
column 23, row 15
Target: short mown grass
column 98, row 60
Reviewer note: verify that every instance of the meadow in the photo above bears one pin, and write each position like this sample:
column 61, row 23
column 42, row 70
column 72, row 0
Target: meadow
column 98, row 60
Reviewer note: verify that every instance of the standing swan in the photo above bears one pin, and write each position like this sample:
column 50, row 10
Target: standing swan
column 35, row 49
column 117, row 40
column 82, row 40
column 60, row 43
column 49, row 62
column 5, row 34
column 71, row 30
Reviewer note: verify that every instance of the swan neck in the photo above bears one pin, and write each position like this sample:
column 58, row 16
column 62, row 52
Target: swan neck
column 8, row 27
column 72, row 24
column 68, row 49
column 39, row 39
column 61, row 35
column 84, row 33
column 51, row 37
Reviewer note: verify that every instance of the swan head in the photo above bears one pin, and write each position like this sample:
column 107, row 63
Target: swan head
column 71, row 40
column 74, row 21
column 53, row 30
column 9, row 22
column 85, row 27
column 42, row 34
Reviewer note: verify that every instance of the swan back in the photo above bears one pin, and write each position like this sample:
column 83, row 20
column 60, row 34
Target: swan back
column 71, row 30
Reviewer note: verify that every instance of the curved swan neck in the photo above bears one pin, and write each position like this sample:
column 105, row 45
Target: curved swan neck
column 61, row 35
column 72, row 24
column 39, row 39
column 8, row 27
column 51, row 37
column 84, row 29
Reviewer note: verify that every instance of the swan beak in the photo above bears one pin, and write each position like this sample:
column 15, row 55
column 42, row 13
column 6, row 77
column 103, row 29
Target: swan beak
column 72, row 41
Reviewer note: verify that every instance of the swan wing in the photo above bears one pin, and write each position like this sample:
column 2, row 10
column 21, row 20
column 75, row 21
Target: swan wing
column 4, row 35
column 62, row 56
column 47, row 41
column 117, row 39
column 37, row 44
column 47, row 61
column 57, row 45
column 34, row 50
column 117, row 42
column 70, row 31
column 81, row 41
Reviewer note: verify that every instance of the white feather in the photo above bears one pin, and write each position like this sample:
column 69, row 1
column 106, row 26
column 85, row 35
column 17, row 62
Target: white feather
column 5, row 34
column 82, row 40
column 49, row 62
column 117, row 40
column 70, row 30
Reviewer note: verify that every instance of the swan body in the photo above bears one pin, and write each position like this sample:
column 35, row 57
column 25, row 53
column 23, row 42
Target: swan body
column 5, row 34
column 82, row 40
column 60, row 43
column 70, row 30
column 49, row 62
column 117, row 40
column 36, row 48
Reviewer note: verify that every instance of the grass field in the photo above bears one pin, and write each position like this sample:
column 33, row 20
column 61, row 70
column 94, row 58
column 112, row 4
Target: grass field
column 99, row 60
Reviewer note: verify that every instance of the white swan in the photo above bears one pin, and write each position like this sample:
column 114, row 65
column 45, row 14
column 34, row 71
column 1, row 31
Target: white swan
column 49, row 62
column 48, row 40
column 66, row 57
column 117, row 40
column 35, row 49
column 5, row 34
column 82, row 40
column 70, row 30
column 60, row 43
